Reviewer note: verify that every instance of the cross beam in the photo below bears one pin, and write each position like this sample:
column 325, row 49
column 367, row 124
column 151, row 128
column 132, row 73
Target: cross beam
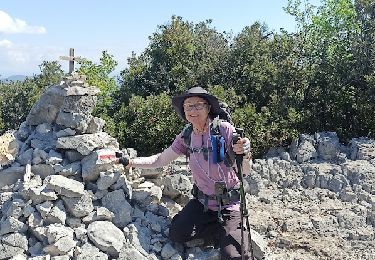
column 71, row 59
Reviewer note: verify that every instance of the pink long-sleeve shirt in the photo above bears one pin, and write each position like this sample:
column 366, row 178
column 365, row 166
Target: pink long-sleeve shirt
column 205, row 173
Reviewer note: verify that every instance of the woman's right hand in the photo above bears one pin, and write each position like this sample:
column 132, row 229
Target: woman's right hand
column 242, row 146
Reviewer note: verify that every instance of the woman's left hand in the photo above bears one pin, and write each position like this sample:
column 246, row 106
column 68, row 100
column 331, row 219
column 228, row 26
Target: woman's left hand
column 242, row 146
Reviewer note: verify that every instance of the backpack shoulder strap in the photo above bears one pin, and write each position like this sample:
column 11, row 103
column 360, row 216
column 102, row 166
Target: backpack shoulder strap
column 186, row 134
column 217, row 140
column 228, row 153
column 215, row 126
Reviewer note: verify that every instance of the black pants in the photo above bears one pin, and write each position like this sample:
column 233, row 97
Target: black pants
column 192, row 222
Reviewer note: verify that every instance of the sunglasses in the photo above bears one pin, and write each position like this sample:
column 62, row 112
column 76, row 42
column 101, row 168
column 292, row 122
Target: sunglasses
column 197, row 106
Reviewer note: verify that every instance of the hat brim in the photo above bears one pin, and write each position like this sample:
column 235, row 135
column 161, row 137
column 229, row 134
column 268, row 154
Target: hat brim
column 178, row 102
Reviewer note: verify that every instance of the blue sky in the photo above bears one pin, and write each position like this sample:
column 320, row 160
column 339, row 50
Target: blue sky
column 32, row 31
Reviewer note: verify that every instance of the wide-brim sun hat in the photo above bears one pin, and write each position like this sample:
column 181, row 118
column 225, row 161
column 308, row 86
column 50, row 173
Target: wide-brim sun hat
column 178, row 101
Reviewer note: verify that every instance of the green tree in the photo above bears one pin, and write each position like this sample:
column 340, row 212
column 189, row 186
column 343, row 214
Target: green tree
column 16, row 100
column 179, row 55
column 335, row 55
column 365, row 66
column 265, row 67
column 147, row 124
column 250, row 65
column 51, row 74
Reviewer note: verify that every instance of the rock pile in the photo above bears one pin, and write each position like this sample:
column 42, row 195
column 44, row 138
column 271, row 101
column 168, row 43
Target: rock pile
column 61, row 196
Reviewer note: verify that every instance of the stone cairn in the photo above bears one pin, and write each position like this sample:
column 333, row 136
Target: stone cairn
column 59, row 199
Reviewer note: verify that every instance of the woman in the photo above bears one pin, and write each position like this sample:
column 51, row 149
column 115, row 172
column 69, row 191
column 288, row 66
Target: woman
column 208, row 214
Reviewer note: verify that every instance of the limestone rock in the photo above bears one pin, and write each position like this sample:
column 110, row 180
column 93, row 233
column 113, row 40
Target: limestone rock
column 47, row 108
column 64, row 186
column 87, row 143
column 106, row 236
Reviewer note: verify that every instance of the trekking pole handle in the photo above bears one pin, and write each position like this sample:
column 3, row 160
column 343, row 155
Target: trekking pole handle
column 236, row 136
column 239, row 157
column 124, row 160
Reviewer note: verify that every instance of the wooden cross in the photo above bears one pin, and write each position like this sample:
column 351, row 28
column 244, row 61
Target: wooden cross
column 71, row 59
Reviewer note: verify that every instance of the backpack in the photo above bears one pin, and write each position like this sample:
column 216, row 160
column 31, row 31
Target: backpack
column 217, row 140
column 225, row 113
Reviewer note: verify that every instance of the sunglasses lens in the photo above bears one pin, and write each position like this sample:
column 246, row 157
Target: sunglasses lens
column 188, row 107
column 197, row 106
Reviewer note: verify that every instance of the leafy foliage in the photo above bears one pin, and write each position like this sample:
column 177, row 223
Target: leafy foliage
column 180, row 54
column 334, row 83
column 149, row 124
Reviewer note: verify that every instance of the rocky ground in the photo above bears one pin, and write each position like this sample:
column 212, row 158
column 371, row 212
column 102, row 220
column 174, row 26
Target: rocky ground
column 61, row 196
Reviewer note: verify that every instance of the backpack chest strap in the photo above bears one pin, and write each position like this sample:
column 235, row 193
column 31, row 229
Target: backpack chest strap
column 200, row 149
column 204, row 150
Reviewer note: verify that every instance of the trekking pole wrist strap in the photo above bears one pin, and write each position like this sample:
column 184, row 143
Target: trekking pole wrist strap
column 247, row 156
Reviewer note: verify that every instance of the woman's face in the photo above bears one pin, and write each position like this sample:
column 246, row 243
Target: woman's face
column 196, row 110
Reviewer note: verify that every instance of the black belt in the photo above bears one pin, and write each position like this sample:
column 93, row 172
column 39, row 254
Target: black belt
column 226, row 198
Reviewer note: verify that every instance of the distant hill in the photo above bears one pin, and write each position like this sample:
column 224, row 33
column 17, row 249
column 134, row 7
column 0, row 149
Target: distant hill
column 15, row 78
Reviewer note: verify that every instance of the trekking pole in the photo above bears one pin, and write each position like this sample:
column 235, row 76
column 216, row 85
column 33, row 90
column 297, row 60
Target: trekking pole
column 243, row 209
